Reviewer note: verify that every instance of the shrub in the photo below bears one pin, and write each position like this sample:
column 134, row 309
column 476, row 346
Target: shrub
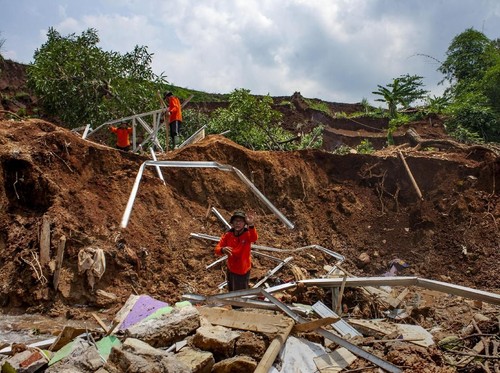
column 365, row 147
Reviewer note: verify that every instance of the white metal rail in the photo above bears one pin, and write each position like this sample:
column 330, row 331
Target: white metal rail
column 199, row 164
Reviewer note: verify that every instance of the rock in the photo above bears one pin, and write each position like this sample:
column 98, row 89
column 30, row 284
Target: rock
column 237, row 364
column 479, row 317
column 166, row 329
column 28, row 361
column 139, row 347
column 198, row 361
column 363, row 260
column 125, row 361
column 216, row 339
column 251, row 344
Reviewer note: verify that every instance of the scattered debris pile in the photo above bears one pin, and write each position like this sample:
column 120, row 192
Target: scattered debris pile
column 372, row 326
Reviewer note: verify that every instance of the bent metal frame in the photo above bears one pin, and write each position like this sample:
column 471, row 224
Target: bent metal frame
column 199, row 164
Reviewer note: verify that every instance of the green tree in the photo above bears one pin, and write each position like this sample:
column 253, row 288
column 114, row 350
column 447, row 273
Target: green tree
column 80, row 83
column 468, row 57
column 403, row 91
column 251, row 121
column 472, row 67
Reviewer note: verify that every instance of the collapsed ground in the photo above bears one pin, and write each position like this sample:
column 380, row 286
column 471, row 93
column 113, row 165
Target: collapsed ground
column 351, row 204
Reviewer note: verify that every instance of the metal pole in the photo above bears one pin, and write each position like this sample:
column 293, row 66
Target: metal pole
column 340, row 341
column 220, row 217
column 131, row 199
column 86, row 132
column 134, row 135
column 198, row 164
column 158, row 170
column 263, row 198
column 273, row 271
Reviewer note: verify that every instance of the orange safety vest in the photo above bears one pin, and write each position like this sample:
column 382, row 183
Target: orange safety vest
column 174, row 106
column 239, row 261
column 122, row 136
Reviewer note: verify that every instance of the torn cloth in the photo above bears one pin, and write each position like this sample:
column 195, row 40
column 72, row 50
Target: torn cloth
column 93, row 262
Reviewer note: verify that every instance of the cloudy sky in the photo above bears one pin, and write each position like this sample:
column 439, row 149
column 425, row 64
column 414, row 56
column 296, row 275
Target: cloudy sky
column 335, row 50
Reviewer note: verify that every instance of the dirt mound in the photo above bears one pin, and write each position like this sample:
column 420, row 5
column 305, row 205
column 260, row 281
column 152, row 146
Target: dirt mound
column 350, row 204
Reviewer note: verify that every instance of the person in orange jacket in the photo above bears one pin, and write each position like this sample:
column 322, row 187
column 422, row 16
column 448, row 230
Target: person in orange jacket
column 236, row 244
column 122, row 136
column 175, row 117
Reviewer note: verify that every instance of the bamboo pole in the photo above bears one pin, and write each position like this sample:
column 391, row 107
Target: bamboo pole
column 415, row 185
column 273, row 350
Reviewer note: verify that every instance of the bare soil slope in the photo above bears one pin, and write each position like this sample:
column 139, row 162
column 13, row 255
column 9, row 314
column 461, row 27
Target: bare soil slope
column 350, row 204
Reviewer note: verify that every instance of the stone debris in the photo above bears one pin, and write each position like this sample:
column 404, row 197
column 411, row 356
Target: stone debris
column 197, row 360
column 166, row 329
column 236, row 364
column 148, row 335
column 216, row 339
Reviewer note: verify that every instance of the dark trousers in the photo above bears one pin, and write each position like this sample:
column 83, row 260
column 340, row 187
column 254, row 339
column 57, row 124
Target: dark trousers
column 237, row 282
column 175, row 129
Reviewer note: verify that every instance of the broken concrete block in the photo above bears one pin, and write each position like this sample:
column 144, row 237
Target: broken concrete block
column 125, row 361
column 139, row 347
column 198, row 361
column 217, row 339
column 166, row 329
column 84, row 358
column 27, row 361
column 237, row 364
column 251, row 344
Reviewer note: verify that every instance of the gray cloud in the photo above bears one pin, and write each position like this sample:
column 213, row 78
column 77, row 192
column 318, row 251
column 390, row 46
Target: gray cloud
column 335, row 50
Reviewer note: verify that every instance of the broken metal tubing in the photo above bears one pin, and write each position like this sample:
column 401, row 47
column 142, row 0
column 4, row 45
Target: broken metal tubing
column 336, row 339
column 198, row 164
column 337, row 256
column 444, row 287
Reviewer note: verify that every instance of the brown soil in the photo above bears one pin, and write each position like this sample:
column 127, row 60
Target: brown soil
column 351, row 204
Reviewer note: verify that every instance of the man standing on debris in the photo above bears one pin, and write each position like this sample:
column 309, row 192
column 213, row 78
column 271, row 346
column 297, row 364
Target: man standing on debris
column 236, row 244
column 175, row 117
column 122, row 136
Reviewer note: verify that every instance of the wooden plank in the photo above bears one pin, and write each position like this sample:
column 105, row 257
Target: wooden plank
column 273, row 350
column 59, row 259
column 400, row 298
column 100, row 322
column 313, row 325
column 67, row 335
column 335, row 361
column 412, row 333
column 45, row 241
column 252, row 321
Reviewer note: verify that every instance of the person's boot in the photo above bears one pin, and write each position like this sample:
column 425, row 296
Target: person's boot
column 176, row 142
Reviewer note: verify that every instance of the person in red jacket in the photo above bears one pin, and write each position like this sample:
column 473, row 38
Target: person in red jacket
column 236, row 244
column 122, row 136
column 175, row 117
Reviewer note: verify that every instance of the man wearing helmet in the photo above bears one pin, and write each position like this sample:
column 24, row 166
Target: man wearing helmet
column 236, row 244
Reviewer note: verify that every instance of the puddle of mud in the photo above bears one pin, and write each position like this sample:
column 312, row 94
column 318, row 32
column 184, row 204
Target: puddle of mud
column 33, row 328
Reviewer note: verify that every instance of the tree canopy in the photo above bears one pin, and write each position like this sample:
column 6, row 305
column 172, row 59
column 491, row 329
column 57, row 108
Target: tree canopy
column 403, row 91
column 472, row 67
column 81, row 83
